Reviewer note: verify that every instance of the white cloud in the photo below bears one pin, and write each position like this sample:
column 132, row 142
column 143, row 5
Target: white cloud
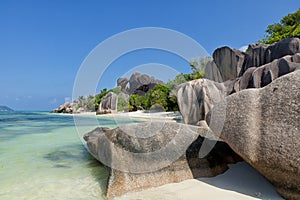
column 243, row 48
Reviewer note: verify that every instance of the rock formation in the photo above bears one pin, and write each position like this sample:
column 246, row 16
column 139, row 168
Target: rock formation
column 162, row 152
column 229, row 62
column 5, row 108
column 263, row 127
column 257, row 77
column 233, row 63
column 260, row 54
column 122, row 83
column 257, row 108
column 143, row 89
column 212, row 72
column 66, row 108
column 196, row 98
column 137, row 80
column 108, row 104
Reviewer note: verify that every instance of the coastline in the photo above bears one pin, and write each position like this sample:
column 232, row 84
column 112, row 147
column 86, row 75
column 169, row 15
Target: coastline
column 143, row 115
column 169, row 116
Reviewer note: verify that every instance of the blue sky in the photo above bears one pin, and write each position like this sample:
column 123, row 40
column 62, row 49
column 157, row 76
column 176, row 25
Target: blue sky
column 43, row 43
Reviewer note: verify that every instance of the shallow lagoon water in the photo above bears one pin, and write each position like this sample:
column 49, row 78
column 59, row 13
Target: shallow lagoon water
column 42, row 157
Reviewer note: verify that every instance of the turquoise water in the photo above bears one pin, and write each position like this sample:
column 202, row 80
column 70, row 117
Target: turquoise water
column 42, row 157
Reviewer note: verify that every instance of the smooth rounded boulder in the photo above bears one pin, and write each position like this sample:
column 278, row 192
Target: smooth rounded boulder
column 263, row 127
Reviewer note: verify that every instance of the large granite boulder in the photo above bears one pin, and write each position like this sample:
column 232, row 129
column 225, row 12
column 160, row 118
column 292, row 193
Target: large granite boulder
column 122, row 83
column 196, row 98
column 257, row 77
column 263, row 127
column 229, row 62
column 109, row 104
column 261, row 54
column 137, row 80
column 151, row 154
column 212, row 72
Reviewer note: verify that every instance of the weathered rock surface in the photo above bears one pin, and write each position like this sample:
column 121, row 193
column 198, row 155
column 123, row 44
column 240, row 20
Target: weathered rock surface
column 122, row 83
column 155, row 153
column 232, row 63
column 108, row 104
column 143, row 89
column 260, row 54
column 263, row 127
column 66, row 108
column 212, row 72
column 137, row 80
column 257, row 77
column 196, row 98
column 229, row 62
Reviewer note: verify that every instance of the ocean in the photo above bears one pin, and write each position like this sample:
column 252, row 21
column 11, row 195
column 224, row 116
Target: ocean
column 43, row 157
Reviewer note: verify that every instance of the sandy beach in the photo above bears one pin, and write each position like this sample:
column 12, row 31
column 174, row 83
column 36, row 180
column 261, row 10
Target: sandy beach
column 241, row 181
column 170, row 116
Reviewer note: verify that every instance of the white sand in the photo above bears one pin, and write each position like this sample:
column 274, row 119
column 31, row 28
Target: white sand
column 241, row 181
column 170, row 116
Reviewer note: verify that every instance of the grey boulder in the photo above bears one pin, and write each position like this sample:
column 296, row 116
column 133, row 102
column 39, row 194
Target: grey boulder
column 263, row 127
column 151, row 154
column 137, row 80
column 229, row 62
column 108, row 104
column 196, row 98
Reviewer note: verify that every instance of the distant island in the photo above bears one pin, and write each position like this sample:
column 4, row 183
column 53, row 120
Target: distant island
column 5, row 108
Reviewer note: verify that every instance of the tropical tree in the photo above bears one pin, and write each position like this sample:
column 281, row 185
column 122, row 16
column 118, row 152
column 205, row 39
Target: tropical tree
column 289, row 26
column 136, row 102
column 99, row 97
column 90, row 103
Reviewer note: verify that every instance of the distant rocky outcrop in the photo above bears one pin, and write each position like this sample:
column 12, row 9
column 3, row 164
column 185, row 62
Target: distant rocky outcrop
column 108, row 104
column 122, row 83
column 5, row 108
column 138, row 84
column 263, row 127
column 137, row 80
column 143, row 89
column 67, row 107
column 155, row 153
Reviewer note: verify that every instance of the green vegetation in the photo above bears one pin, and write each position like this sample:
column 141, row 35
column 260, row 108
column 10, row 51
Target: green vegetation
column 99, row 97
column 122, row 104
column 289, row 26
column 159, row 96
column 162, row 96
column 137, row 102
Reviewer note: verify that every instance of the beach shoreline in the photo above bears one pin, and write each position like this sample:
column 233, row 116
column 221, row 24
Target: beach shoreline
column 169, row 116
